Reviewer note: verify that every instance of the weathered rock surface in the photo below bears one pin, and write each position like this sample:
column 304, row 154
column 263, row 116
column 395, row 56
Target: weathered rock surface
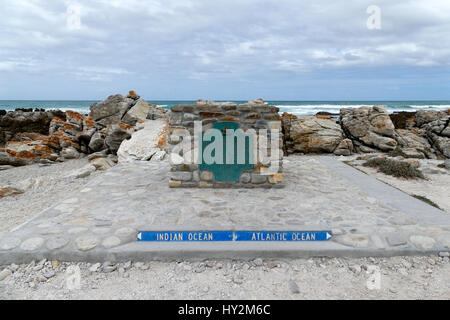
column 437, row 127
column 97, row 142
column 345, row 148
column 111, row 110
column 370, row 127
column 138, row 112
column 58, row 136
column 14, row 123
column 155, row 113
column 9, row 191
column 426, row 116
column 311, row 134
column 414, row 144
column 145, row 143
column 115, row 134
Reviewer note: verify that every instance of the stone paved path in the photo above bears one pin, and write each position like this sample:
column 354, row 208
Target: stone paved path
column 367, row 217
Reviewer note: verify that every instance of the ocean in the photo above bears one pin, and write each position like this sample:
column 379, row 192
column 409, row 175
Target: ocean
column 294, row 107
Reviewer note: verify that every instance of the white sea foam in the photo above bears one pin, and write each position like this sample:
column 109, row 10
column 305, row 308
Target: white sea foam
column 331, row 108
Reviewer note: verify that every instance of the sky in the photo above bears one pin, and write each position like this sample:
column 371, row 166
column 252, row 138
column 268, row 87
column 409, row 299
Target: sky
column 225, row 49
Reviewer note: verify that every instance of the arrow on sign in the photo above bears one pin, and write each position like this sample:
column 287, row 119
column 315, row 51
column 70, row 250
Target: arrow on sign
column 139, row 236
column 328, row 236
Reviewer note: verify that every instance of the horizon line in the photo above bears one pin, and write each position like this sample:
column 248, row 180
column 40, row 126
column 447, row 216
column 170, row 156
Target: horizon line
column 226, row 100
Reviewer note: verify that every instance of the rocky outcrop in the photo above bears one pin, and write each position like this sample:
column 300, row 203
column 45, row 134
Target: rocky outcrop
column 421, row 134
column 129, row 110
column 14, row 123
column 436, row 124
column 146, row 144
column 31, row 137
column 345, row 148
column 369, row 127
column 414, row 144
column 311, row 134
column 111, row 110
column 115, row 134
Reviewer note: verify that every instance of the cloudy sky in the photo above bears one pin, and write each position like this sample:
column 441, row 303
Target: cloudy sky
column 225, row 49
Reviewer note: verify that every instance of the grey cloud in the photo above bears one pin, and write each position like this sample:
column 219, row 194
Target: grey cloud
column 226, row 39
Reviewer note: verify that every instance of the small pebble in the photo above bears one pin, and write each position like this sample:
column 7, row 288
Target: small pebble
column 49, row 274
column 95, row 267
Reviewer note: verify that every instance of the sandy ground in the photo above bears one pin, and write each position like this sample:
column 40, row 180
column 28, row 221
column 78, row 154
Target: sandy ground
column 436, row 186
column 42, row 186
column 320, row 278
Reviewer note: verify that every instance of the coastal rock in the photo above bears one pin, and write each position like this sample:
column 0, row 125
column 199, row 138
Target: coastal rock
column 97, row 142
column 26, row 152
column 14, row 123
column 111, row 110
column 345, row 148
column 145, row 143
column 9, row 191
column 137, row 113
column 311, row 134
column 426, row 116
column 414, row 144
column 115, row 134
column 437, row 127
column 369, row 126
column 28, row 137
column 6, row 159
column 155, row 113
column 442, row 144
column 70, row 153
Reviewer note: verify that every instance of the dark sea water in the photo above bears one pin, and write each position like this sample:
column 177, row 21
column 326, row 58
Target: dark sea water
column 295, row 107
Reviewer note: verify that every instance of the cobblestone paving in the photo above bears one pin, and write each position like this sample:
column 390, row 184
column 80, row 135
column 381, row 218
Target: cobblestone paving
column 108, row 212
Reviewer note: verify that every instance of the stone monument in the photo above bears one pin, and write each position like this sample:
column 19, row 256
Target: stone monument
column 225, row 145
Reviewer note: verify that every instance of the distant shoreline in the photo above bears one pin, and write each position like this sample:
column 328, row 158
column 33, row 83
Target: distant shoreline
column 299, row 108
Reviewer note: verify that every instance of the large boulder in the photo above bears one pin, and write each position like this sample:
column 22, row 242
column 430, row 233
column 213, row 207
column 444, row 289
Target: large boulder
column 145, row 144
column 436, row 124
column 115, row 134
column 138, row 112
column 97, row 142
column 311, row 134
column 111, row 110
column 414, row 144
column 369, row 127
column 426, row 116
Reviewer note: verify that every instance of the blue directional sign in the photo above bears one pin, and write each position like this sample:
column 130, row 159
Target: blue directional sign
column 185, row 236
column 283, row 236
column 238, row 236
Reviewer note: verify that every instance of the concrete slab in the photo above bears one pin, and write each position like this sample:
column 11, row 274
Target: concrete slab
column 366, row 216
